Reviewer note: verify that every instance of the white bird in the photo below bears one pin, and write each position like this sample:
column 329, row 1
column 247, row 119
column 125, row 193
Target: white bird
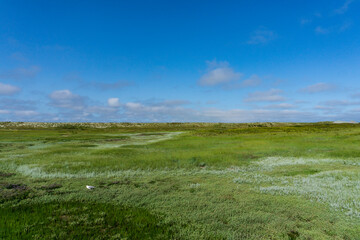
column 90, row 187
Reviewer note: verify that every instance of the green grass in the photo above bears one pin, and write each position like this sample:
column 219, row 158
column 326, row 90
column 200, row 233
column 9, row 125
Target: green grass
column 180, row 181
column 77, row 220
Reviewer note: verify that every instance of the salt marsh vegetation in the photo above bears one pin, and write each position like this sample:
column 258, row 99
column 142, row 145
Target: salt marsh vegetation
column 180, row 181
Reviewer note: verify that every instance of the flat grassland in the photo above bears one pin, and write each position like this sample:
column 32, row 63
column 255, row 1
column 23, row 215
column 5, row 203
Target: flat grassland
column 179, row 181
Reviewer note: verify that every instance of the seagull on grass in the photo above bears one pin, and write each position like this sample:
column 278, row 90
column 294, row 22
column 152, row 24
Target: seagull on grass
column 90, row 187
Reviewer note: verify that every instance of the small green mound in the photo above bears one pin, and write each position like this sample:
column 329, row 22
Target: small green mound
column 80, row 220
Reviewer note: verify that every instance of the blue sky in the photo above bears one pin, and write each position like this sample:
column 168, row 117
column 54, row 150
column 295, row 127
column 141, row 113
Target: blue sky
column 165, row 61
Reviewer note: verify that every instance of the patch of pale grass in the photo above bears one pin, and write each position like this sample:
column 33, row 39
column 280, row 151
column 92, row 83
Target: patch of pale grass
column 140, row 139
column 194, row 185
column 338, row 188
column 271, row 162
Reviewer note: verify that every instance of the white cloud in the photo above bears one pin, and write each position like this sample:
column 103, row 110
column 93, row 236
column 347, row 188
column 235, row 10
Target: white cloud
column 79, row 108
column 304, row 21
column 114, row 102
column 355, row 95
column 162, row 102
column 344, row 7
column 21, row 73
column 336, row 107
column 218, row 74
column 18, row 56
column 156, row 113
column 259, row 115
column 280, row 106
column 20, row 115
column 101, row 111
column 4, row 111
column 66, row 99
column 262, row 36
column 210, row 102
column 272, row 95
column 318, row 87
column 7, row 89
column 253, row 81
column 339, row 28
column 26, row 113
column 17, row 104
column 106, row 86
column 327, row 108
column 344, row 26
column 221, row 74
column 322, row 30
column 133, row 105
column 340, row 103
column 174, row 102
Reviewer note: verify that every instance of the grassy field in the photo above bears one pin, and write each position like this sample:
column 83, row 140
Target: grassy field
column 179, row 181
